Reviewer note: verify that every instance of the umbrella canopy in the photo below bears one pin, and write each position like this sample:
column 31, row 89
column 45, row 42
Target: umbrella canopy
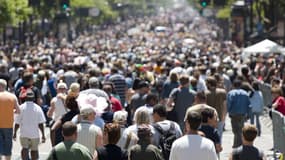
column 93, row 98
column 264, row 47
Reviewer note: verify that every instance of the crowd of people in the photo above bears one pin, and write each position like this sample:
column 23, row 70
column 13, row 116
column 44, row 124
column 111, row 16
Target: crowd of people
column 157, row 87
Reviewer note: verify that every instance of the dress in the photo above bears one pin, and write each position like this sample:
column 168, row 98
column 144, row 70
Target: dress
column 70, row 150
column 193, row 147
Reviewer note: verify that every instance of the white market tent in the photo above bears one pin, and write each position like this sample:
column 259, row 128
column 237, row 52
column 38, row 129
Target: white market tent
column 264, row 47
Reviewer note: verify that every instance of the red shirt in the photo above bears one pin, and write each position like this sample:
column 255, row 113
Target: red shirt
column 116, row 104
column 280, row 104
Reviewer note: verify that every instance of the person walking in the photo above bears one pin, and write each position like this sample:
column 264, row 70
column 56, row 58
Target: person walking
column 144, row 149
column 89, row 134
column 69, row 148
column 29, row 127
column 238, row 106
column 57, row 108
column 216, row 98
column 198, row 148
column 110, row 151
column 247, row 151
column 8, row 103
column 167, row 131
column 257, row 104
column 180, row 99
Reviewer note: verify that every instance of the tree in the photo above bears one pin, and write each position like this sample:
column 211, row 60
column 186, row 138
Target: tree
column 13, row 11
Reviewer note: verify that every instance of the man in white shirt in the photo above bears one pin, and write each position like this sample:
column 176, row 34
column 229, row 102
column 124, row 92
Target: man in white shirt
column 192, row 145
column 30, row 119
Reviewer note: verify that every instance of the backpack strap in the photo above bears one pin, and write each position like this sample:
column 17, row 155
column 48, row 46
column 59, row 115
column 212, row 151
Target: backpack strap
column 172, row 126
column 129, row 138
column 158, row 128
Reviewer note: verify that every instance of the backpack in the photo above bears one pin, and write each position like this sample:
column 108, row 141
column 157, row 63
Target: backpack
column 166, row 139
column 23, row 94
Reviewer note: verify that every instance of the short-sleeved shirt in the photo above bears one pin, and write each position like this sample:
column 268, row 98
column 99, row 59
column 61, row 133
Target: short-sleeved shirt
column 34, row 89
column 183, row 98
column 247, row 153
column 70, row 150
column 280, row 104
column 216, row 99
column 167, row 88
column 66, row 117
column 211, row 133
column 31, row 115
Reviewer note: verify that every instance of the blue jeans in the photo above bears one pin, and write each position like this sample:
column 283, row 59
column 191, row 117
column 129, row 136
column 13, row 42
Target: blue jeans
column 257, row 121
column 220, row 129
column 6, row 135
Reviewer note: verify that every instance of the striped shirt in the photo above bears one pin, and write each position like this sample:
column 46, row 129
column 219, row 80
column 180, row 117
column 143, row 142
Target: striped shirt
column 87, row 134
column 120, row 86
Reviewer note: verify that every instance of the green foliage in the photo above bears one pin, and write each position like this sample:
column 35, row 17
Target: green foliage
column 5, row 17
column 13, row 11
column 102, row 5
column 224, row 13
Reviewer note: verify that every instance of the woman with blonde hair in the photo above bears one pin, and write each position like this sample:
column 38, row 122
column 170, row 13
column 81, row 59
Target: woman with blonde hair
column 74, row 90
column 130, row 134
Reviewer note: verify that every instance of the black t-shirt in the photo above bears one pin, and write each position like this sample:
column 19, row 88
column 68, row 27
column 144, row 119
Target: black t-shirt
column 211, row 133
column 34, row 89
column 5, row 77
column 247, row 153
column 66, row 117
column 111, row 152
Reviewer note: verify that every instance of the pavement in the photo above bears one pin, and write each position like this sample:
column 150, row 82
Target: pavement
column 44, row 148
column 264, row 142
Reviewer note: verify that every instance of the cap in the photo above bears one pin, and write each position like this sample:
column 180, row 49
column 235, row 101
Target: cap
column 86, row 110
column 61, row 85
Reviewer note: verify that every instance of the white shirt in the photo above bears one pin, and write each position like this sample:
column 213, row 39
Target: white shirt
column 59, row 108
column 123, row 140
column 87, row 135
column 193, row 147
column 134, row 128
column 31, row 115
